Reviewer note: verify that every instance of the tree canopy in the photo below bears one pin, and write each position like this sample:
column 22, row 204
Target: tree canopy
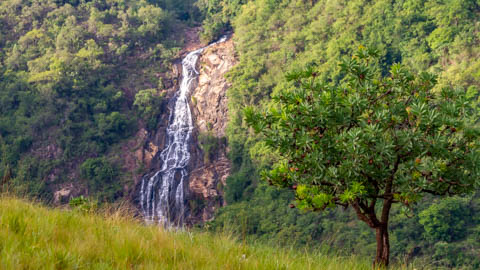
column 371, row 142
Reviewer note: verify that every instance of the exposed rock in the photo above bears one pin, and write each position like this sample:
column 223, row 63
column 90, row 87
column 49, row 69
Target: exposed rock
column 192, row 40
column 50, row 151
column 140, row 154
column 206, row 183
column 209, row 98
column 146, row 153
column 204, row 180
column 209, row 109
column 61, row 195
column 65, row 193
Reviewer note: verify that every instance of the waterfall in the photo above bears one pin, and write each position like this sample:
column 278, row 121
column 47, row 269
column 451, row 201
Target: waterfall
column 162, row 196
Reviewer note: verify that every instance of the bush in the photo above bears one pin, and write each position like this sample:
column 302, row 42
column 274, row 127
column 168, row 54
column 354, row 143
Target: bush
column 102, row 179
column 82, row 204
column 148, row 103
column 445, row 220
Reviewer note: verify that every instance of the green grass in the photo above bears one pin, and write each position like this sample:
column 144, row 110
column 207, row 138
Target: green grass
column 36, row 237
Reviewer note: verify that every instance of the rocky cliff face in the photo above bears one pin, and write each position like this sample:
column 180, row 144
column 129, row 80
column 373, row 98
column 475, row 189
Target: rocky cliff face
column 209, row 98
column 209, row 108
column 209, row 166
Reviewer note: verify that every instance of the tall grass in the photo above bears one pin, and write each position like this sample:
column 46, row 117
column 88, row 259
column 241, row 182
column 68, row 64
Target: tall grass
column 35, row 237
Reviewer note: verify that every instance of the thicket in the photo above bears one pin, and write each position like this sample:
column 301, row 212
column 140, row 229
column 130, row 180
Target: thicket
column 76, row 78
column 275, row 37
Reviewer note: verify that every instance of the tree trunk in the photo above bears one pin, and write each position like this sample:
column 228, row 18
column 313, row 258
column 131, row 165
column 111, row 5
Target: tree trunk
column 383, row 247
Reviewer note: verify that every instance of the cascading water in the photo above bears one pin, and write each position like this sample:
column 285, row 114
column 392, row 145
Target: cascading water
column 162, row 196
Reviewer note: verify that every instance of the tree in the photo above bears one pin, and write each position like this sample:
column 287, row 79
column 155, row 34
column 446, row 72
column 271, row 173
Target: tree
column 370, row 143
column 149, row 104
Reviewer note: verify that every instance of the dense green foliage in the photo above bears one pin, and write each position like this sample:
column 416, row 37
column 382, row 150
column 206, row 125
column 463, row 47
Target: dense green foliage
column 149, row 103
column 217, row 16
column 75, row 79
column 276, row 37
column 446, row 220
column 78, row 78
column 371, row 142
column 100, row 176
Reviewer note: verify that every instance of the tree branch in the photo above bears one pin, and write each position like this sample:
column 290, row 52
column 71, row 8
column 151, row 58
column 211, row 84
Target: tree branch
column 381, row 96
column 435, row 192
column 386, row 210
column 362, row 215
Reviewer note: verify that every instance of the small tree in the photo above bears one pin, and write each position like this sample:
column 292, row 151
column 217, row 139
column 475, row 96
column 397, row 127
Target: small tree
column 371, row 143
column 149, row 103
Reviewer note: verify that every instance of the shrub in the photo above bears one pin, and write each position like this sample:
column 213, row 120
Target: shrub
column 445, row 220
column 82, row 204
column 102, row 178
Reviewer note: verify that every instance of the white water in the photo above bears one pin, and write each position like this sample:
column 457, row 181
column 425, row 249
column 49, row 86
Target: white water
column 162, row 196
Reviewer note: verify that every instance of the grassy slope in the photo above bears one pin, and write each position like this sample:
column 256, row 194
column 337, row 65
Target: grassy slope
column 35, row 237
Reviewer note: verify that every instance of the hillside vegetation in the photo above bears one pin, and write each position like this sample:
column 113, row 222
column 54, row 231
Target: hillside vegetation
column 275, row 37
column 77, row 79
column 34, row 237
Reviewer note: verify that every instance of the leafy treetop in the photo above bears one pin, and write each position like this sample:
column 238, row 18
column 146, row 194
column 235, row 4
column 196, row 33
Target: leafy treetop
column 374, row 140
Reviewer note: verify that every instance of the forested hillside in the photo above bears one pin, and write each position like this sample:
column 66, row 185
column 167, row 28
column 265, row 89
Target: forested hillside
column 77, row 79
column 275, row 37
column 80, row 78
